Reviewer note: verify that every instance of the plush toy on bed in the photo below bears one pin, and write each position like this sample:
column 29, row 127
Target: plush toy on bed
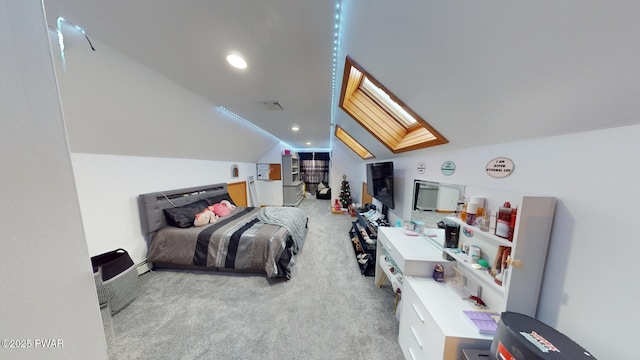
column 205, row 217
column 220, row 209
column 212, row 213
column 228, row 204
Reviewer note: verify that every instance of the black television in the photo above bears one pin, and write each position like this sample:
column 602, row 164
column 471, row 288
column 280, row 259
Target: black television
column 380, row 183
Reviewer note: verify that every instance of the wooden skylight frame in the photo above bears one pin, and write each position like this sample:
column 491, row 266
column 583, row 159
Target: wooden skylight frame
column 380, row 119
column 353, row 144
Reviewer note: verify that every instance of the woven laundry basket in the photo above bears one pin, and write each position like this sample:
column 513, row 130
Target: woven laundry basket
column 116, row 279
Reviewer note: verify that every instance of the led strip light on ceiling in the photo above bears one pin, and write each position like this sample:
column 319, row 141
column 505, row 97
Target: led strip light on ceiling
column 231, row 114
column 334, row 70
column 59, row 22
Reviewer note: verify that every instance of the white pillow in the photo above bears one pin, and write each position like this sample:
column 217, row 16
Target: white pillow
column 321, row 186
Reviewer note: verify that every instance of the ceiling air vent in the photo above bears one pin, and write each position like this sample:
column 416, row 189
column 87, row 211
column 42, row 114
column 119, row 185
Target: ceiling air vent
column 272, row 105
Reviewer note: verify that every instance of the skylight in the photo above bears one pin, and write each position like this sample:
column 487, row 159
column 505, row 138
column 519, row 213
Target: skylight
column 353, row 144
column 379, row 111
column 384, row 100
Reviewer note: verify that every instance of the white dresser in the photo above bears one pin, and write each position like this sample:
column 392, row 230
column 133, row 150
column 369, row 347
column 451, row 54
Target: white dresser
column 432, row 324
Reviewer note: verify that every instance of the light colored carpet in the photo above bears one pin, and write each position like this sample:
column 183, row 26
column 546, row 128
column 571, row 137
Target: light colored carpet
column 327, row 311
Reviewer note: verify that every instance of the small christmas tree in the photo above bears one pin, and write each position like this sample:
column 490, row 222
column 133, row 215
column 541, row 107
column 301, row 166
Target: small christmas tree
column 345, row 193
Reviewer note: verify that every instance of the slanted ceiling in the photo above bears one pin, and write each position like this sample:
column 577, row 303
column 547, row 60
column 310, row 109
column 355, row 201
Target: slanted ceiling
column 479, row 72
column 159, row 72
column 486, row 72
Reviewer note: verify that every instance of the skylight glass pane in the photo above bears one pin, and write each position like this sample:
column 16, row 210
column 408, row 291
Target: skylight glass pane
column 353, row 144
column 378, row 111
column 383, row 99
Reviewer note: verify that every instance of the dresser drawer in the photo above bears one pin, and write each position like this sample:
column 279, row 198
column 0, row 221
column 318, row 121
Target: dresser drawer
column 411, row 340
column 419, row 335
column 422, row 341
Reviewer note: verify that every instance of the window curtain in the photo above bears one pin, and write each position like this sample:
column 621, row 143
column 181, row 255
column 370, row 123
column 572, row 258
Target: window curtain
column 315, row 169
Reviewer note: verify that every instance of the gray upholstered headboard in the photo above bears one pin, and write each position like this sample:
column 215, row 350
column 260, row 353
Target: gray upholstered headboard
column 151, row 205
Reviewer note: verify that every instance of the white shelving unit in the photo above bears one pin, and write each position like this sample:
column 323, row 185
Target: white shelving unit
column 519, row 291
column 292, row 185
column 432, row 325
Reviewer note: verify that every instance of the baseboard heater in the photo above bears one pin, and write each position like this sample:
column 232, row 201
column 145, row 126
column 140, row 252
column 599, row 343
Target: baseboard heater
column 143, row 267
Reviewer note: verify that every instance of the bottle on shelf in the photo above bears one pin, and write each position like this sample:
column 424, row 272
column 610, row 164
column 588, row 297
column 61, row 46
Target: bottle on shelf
column 472, row 209
column 463, row 212
column 512, row 223
column 501, row 271
column 492, row 221
column 480, row 201
column 483, row 222
column 459, row 209
column 503, row 220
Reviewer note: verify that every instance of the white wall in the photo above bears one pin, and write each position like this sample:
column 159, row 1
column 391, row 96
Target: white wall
column 270, row 191
column 46, row 288
column 108, row 186
column 343, row 162
column 115, row 105
column 588, row 291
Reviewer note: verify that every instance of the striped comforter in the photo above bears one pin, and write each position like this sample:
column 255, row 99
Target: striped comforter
column 238, row 241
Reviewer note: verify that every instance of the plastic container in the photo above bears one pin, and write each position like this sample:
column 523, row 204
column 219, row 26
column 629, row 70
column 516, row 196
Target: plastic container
column 418, row 226
column 474, row 254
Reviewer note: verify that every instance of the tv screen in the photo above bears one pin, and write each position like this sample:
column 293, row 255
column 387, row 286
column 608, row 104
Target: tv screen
column 380, row 182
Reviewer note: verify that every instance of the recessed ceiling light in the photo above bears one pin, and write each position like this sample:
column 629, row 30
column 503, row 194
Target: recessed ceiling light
column 236, row 61
column 308, row 142
column 295, row 128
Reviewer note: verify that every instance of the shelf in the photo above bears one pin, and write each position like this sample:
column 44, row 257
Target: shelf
column 482, row 234
column 371, row 230
column 395, row 277
column 480, row 275
column 366, row 247
column 368, row 268
column 291, row 171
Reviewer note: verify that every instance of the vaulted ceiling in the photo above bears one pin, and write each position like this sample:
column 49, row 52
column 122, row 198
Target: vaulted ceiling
column 479, row 72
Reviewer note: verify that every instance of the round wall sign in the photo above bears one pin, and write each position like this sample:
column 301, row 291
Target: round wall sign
column 421, row 168
column 448, row 168
column 500, row 167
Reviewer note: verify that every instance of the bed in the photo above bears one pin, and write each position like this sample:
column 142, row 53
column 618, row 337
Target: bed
column 248, row 239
